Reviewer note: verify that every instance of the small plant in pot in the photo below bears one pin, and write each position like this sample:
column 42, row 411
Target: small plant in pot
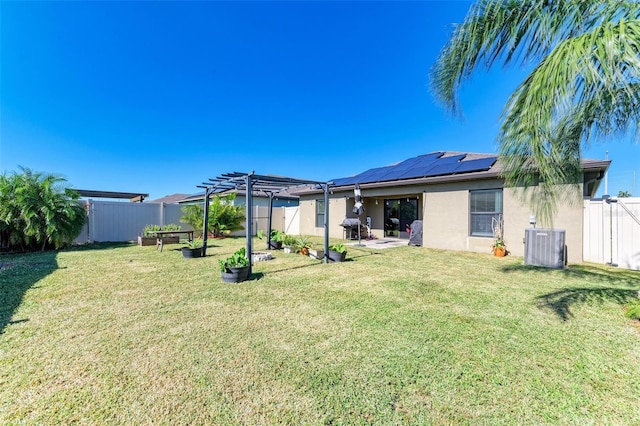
column 303, row 245
column 498, row 247
column 193, row 249
column 337, row 252
column 235, row 268
column 277, row 239
column 289, row 243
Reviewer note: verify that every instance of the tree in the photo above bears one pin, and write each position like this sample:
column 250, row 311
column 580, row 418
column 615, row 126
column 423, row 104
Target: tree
column 624, row 194
column 224, row 216
column 38, row 211
column 585, row 84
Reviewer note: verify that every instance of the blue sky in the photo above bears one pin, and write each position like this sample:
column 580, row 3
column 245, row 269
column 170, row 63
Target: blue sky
column 157, row 97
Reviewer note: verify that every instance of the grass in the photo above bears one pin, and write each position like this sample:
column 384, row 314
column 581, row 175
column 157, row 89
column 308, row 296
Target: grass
column 118, row 334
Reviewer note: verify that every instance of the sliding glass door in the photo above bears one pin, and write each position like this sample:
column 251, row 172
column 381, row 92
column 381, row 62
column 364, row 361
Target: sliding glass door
column 399, row 213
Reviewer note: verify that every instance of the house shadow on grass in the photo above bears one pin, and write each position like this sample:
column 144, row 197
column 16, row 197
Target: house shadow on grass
column 18, row 273
column 609, row 285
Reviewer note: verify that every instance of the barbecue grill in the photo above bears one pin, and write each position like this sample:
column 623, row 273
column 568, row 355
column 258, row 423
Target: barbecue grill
column 350, row 226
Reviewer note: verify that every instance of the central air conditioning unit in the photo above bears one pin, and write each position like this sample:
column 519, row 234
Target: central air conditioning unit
column 544, row 247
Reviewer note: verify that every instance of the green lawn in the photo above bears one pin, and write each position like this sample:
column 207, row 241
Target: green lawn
column 118, row 334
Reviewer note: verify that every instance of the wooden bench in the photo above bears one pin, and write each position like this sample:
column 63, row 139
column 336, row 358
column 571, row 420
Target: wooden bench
column 161, row 235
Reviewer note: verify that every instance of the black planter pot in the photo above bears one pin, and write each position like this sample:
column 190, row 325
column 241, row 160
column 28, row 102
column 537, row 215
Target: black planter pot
column 274, row 245
column 336, row 256
column 235, row 275
column 189, row 253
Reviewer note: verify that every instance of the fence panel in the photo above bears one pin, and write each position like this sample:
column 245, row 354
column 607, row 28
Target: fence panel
column 612, row 232
column 118, row 221
column 172, row 214
column 292, row 220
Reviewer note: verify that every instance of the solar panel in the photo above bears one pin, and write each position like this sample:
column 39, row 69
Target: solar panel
column 476, row 165
column 343, row 181
column 418, row 167
column 447, row 168
column 451, row 159
column 427, row 165
column 414, row 173
column 417, row 161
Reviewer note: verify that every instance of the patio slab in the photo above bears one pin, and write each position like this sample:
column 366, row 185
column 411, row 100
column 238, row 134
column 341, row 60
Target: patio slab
column 382, row 243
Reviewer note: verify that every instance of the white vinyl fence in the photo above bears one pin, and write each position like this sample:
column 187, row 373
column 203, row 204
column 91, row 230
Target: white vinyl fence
column 291, row 220
column 118, row 221
column 612, row 232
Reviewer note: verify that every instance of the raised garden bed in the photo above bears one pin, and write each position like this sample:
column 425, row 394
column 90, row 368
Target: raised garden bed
column 152, row 241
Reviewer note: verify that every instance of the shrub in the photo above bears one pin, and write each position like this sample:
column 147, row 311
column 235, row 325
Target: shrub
column 150, row 229
column 223, row 215
column 633, row 309
column 37, row 211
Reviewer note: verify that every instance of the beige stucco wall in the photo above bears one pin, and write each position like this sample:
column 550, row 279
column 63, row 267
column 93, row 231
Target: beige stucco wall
column 446, row 220
column 445, row 212
column 337, row 212
column 446, row 216
column 569, row 217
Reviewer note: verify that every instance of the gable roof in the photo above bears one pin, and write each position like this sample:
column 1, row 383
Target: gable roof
column 170, row 199
column 452, row 167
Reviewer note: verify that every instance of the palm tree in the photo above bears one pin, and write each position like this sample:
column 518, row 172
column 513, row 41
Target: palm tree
column 585, row 83
column 624, row 194
column 37, row 210
column 224, row 216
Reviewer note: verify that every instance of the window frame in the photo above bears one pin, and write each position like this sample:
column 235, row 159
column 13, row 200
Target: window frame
column 498, row 214
column 319, row 213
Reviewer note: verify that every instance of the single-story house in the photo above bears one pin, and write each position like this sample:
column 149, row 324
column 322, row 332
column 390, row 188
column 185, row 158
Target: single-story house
column 455, row 194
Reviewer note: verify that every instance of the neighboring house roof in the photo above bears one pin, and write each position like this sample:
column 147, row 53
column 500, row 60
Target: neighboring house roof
column 170, row 199
column 439, row 167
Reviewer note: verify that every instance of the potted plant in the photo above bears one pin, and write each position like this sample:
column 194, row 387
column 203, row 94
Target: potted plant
column 235, row 268
column 498, row 247
column 288, row 243
column 277, row 238
column 303, row 245
column 193, row 249
column 337, row 252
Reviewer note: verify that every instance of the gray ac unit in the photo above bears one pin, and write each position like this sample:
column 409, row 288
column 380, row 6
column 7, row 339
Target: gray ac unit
column 544, row 247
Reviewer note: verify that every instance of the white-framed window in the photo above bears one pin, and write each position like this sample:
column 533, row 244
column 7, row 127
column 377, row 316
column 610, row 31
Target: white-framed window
column 484, row 205
column 319, row 213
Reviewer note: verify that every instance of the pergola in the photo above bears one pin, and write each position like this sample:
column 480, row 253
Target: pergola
column 270, row 186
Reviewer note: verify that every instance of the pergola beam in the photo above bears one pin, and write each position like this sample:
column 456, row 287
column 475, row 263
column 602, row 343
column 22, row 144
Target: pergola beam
column 270, row 185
